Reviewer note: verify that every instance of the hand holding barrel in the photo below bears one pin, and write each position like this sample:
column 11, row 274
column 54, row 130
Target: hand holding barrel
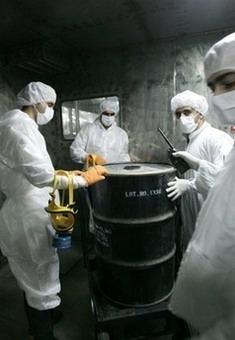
column 94, row 174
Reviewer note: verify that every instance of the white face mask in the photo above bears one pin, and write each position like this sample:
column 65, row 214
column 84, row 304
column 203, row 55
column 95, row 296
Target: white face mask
column 187, row 124
column 44, row 118
column 107, row 120
column 224, row 107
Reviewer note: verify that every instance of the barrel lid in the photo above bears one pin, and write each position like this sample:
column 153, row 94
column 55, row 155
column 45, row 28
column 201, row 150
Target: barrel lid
column 135, row 169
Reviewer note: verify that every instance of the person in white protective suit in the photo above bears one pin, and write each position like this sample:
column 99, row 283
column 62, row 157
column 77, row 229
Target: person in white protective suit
column 204, row 293
column 102, row 138
column 26, row 174
column 206, row 151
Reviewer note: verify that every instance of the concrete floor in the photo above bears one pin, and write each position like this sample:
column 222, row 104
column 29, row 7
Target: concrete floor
column 77, row 323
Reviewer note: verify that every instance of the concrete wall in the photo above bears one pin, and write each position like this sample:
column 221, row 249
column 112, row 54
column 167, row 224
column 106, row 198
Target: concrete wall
column 145, row 77
column 7, row 101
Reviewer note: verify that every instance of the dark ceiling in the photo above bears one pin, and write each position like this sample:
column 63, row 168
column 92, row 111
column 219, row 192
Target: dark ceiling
column 80, row 25
column 86, row 24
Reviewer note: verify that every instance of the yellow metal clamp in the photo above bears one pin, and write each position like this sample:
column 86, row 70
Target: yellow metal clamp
column 63, row 215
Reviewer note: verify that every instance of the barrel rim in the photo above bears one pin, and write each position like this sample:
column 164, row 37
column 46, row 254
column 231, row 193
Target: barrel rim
column 137, row 305
column 170, row 169
column 141, row 265
column 137, row 221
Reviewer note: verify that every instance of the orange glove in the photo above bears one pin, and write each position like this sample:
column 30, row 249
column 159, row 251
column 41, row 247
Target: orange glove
column 93, row 159
column 94, row 174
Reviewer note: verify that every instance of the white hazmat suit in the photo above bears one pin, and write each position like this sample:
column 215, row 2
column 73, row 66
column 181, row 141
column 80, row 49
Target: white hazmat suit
column 111, row 143
column 212, row 146
column 204, row 293
column 26, row 172
column 209, row 145
column 25, row 237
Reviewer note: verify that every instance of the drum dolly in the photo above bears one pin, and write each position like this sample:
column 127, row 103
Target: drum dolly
column 114, row 322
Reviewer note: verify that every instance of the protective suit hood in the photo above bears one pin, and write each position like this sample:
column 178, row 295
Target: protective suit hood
column 192, row 99
column 109, row 105
column 35, row 92
column 220, row 59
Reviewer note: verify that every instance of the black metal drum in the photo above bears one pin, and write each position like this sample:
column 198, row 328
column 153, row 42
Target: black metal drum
column 134, row 233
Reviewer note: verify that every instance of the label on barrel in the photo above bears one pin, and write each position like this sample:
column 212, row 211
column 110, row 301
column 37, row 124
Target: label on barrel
column 143, row 193
column 103, row 235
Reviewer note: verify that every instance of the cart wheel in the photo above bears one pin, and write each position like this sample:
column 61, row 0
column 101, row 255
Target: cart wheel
column 103, row 336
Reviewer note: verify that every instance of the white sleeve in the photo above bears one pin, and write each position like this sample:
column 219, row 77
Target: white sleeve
column 219, row 148
column 124, row 155
column 78, row 147
column 24, row 154
column 78, row 182
column 206, row 176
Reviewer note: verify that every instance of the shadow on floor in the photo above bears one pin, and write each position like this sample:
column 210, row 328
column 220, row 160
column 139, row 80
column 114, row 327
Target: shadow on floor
column 77, row 323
